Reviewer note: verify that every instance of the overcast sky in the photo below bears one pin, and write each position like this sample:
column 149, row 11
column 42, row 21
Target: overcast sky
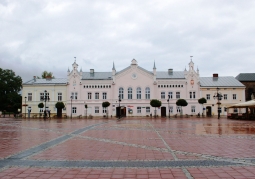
column 40, row 35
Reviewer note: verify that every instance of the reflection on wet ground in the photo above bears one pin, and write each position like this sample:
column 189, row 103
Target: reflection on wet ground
column 160, row 146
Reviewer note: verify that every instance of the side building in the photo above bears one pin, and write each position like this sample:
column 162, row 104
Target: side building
column 248, row 80
column 33, row 92
column 231, row 90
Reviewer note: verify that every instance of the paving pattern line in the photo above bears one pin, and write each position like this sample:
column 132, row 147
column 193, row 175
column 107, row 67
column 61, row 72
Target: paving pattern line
column 35, row 150
column 167, row 146
column 187, row 173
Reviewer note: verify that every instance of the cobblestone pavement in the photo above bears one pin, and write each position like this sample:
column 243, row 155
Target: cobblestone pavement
column 130, row 148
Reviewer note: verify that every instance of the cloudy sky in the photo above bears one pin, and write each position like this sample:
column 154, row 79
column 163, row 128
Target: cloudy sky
column 38, row 35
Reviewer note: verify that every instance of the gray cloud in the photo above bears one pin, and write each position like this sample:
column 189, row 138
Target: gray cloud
column 47, row 35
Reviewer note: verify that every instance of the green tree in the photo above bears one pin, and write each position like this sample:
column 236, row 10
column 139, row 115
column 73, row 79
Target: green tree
column 40, row 105
column 10, row 86
column 202, row 101
column 182, row 103
column 155, row 103
column 106, row 104
column 46, row 74
column 59, row 106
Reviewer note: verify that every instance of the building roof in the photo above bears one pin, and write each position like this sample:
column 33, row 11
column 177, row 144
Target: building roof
column 97, row 76
column 174, row 75
column 246, row 77
column 222, row 81
column 46, row 81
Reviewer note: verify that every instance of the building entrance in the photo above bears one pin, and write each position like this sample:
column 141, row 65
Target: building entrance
column 121, row 111
column 163, row 111
column 208, row 111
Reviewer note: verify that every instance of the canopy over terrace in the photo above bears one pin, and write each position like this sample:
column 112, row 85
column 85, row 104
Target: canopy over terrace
column 248, row 104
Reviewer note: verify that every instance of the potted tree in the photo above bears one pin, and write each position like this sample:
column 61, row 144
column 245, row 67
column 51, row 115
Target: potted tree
column 155, row 103
column 106, row 104
column 40, row 105
column 202, row 101
column 181, row 102
column 59, row 106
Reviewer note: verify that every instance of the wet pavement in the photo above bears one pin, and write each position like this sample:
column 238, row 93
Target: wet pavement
column 131, row 148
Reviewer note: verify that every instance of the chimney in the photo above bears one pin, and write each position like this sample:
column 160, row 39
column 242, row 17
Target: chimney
column 170, row 71
column 215, row 75
column 91, row 71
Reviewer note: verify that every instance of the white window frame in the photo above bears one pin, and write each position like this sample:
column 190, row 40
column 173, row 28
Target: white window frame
column 96, row 95
column 208, row 96
column 74, row 95
column 178, row 94
column 59, row 96
column 89, row 95
column 234, row 96
column 130, row 92
column 121, row 93
column 193, row 109
column 225, row 96
column 74, row 110
column 147, row 93
column 104, row 95
column 138, row 93
column 163, row 95
column 139, row 110
column 29, row 96
column 148, row 109
column 170, row 93
column 96, row 109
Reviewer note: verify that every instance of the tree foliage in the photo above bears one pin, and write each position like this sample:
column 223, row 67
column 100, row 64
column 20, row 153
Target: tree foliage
column 46, row 74
column 202, row 101
column 181, row 102
column 10, row 86
column 60, row 105
column 155, row 103
column 105, row 104
column 40, row 105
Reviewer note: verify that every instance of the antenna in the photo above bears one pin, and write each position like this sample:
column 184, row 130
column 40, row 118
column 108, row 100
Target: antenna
column 74, row 59
column 191, row 58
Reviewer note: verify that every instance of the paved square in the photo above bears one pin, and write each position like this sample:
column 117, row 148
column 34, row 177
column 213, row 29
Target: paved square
column 130, row 148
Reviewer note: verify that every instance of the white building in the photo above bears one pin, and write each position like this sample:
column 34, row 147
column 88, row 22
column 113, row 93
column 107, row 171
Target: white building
column 135, row 85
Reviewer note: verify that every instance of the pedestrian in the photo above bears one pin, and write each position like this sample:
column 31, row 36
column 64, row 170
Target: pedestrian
column 45, row 114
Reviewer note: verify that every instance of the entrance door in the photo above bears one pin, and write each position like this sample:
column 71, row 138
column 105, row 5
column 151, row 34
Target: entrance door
column 121, row 111
column 163, row 111
column 208, row 111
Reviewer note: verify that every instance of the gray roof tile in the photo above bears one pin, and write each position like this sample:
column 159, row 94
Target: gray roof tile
column 246, row 77
column 97, row 76
column 222, row 81
column 46, row 81
column 174, row 75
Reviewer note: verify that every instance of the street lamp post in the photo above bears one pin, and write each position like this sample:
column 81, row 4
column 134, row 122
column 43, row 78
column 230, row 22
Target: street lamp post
column 119, row 106
column 45, row 98
column 218, row 96
column 168, row 106
column 71, row 106
column 25, row 106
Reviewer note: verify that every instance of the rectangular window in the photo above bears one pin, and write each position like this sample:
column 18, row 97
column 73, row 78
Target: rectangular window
column 190, row 95
column 96, row 109
column 42, row 96
column 234, row 96
column 178, row 109
column 139, row 110
column 163, row 96
column 235, row 110
column 74, row 110
column 225, row 96
column 193, row 109
column 29, row 96
column 148, row 109
column 89, row 95
column 178, row 95
column 104, row 95
column 104, row 110
column 170, row 95
column 208, row 96
column 194, row 95
column 59, row 96
column 74, row 95
column 171, row 109
column 96, row 95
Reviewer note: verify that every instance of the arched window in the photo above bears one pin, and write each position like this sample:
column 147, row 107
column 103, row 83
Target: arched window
column 138, row 93
column 121, row 93
column 129, row 93
column 147, row 93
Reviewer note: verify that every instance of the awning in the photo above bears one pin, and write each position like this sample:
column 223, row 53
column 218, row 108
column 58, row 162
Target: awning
column 250, row 104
